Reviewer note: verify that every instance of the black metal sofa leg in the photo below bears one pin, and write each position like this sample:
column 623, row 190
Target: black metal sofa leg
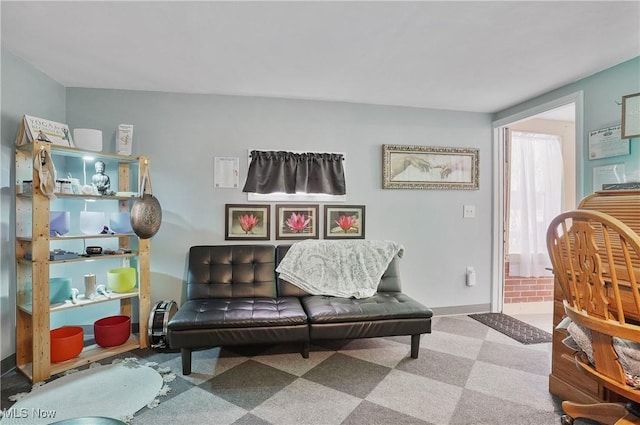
column 305, row 349
column 186, row 360
column 415, row 346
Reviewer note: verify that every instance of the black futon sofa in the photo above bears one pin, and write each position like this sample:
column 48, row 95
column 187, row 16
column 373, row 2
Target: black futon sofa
column 234, row 297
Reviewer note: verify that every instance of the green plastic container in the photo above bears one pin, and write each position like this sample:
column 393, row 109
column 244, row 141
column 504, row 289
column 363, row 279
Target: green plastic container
column 122, row 279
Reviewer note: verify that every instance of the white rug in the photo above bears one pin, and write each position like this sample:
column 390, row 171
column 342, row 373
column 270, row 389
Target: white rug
column 117, row 391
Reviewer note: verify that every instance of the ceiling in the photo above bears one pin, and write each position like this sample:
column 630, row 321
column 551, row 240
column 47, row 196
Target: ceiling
column 468, row 56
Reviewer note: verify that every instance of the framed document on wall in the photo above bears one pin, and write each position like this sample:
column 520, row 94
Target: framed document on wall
column 631, row 116
column 606, row 142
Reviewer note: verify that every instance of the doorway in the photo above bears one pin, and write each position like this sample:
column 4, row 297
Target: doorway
column 515, row 292
column 541, row 148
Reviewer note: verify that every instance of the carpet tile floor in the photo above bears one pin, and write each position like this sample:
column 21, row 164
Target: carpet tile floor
column 466, row 374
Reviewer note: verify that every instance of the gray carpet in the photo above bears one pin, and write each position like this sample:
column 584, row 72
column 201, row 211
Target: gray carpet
column 513, row 328
column 467, row 373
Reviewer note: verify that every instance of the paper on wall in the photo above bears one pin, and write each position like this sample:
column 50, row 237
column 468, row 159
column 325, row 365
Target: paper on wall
column 125, row 139
column 614, row 173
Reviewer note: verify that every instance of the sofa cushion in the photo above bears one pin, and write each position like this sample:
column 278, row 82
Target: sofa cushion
column 238, row 313
column 230, row 271
column 381, row 306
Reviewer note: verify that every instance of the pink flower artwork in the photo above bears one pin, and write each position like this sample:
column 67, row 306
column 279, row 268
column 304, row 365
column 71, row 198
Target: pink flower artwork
column 298, row 222
column 346, row 222
column 248, row 222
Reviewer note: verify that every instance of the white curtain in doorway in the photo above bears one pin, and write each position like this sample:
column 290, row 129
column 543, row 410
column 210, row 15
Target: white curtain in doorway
column 535, row 198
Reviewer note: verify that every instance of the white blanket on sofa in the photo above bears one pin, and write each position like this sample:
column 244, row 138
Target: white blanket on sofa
column 345, row 268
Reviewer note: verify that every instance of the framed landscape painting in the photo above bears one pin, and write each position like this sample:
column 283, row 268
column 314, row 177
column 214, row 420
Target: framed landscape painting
column 344, row 221
column 247, row 222
column 426, row 167
column 297, row 221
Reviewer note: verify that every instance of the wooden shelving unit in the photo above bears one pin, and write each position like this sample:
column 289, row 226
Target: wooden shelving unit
column 33, row 315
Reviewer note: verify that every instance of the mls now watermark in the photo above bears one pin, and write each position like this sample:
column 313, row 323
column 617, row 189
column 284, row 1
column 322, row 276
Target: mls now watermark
column 24, row 413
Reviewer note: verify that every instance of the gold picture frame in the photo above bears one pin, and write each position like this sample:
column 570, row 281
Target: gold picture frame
column 427, row 167
column 630, row 116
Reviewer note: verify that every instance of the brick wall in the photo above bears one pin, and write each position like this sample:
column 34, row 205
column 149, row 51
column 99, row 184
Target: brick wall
column 519, row 289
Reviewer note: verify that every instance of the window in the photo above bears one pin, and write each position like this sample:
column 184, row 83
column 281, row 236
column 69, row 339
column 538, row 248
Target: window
column 295, row 176
column 535, row 198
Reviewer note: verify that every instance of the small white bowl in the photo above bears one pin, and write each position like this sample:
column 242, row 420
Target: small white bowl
column 92, row 222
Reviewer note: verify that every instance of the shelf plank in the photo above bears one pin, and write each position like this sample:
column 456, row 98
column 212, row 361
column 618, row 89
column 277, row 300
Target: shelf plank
column 83, row 236
column 73, row 152
column 90, row 354
column 86, row 197
column 83, row 258
column 83, row 302
column 94, row 258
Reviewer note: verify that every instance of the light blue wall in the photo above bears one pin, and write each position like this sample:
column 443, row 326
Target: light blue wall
column 24, row 90
column 182, row 133
column 601, row 92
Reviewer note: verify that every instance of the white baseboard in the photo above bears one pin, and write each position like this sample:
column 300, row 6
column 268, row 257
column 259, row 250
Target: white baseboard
column 543, row 307
column 460, row 310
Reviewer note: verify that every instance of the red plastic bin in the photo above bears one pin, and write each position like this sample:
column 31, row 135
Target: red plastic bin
column 112, row 331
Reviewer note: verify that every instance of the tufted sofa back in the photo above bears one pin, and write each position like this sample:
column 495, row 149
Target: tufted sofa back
column 390, row 281
column 231, row 271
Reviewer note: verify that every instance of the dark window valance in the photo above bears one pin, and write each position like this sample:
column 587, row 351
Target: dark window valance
column 288, row 172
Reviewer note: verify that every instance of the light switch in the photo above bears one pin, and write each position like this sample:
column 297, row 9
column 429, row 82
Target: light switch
column 469, row 211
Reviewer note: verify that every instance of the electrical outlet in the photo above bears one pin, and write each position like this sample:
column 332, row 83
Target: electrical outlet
column 469, row 211
column 470, row 276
